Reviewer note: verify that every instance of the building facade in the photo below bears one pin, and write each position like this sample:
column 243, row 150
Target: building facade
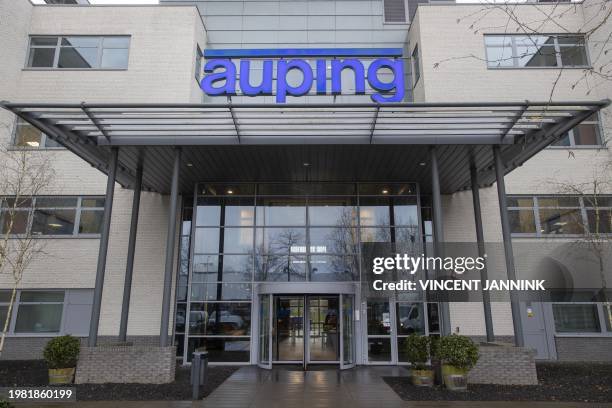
column 268, row 262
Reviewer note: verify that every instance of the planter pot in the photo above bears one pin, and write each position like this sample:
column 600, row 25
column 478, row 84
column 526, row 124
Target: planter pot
column 422, row 378
column 61, row 375
column 455, row 378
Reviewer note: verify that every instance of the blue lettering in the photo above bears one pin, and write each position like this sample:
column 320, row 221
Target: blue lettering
column 228, row 77
column 265, row 88
column 336, row 75
column 283, row 88
column 397, row 67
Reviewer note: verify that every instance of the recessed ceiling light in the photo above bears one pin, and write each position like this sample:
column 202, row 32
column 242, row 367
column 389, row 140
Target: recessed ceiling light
column 230, row 191
column 33, row 144
column 189, row 164
column 422, row 164
column 306, row 164
column 385, row 191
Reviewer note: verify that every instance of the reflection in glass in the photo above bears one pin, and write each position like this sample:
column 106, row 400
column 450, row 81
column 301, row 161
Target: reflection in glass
column 280, row 268
column 562, row 221
column 332, row 213
column 44, row 318
column 379, row 318
column 221, row 349
column 53, row 222
column 281, row 212
column 576, row 318
column 228, row 319
column 220, row 291
column 380, row 234
column 281, row 240
column 206, row 241
column 379, row 349
column 237, row 240
column 334, row 240
column 410, row 318
column 330, row 268
column 323, row 330
column 522, row 221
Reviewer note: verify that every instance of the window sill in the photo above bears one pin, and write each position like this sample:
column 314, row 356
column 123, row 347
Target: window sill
column 585, row 335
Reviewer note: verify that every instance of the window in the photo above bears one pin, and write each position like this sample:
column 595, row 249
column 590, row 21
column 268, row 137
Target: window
column 416, row 69
column 580, row 317
column 535, row 51
column 53, row 215
column 585, row 134
column 34, row 311
column 395, row 11
column 28, row 136
column 198, row 64
column 560, row 215
column 79, row 52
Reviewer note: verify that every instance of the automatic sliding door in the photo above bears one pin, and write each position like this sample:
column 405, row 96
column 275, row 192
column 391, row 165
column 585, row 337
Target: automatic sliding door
column 265, row 331
column 347, row 348
column 323, row 329
column 289, row 329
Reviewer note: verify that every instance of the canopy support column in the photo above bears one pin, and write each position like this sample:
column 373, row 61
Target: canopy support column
column 445, row 328
column 486, row 298
column 103, row 252
column 170, row 243
column 509, row 253
column 129, row 270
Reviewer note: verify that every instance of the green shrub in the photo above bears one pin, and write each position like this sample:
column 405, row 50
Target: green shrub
column 458, row 351
column 5, row 404
column 417, row 350
column 62, row 352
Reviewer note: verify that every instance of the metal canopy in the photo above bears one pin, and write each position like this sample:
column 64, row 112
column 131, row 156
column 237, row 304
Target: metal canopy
column 218, row 134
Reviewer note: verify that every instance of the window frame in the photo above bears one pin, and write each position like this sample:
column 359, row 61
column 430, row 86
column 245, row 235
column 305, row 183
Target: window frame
column 416, row 67
column 515, row 55
column 198, row 64
column 58, row 46
column 583, row 207
column 601, row 319
column 14, row 313
column 77, row 217
column 572, row 140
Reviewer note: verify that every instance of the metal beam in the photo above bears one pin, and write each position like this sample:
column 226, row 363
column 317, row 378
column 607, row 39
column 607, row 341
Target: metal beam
column 486, row 298
column 129, row 269
column 374, row 120
column 235, row 123
column 94, row 120
column 508, row 251
column 170, row 243
column 445, row 328
column 101, row 268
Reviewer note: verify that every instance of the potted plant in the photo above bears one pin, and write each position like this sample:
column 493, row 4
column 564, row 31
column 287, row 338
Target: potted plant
column 417, row 350
column 61, row 354
column 458, row 355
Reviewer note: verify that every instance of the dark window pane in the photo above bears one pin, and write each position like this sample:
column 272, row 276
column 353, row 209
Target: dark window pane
column 179, row 342
column 564, row 141
column 39, row 318
column 520, row 201
column 22, row 202
column 387, row 189
column 51, row 143
column 325, row 268
column 92, row 202
column 433, row 318
column 41, row 57
column 3, row 313
column 226, row 350
column 568, row 221
column 230, row 319
column 379, row 349
column 114, row 58
column 91, row 222
column 116, row 42
column 280, row 268
column 333, row 240
column 281, row 240
column 53, row 222
column 78, row 58
column 221, row 291
column 522, row 221
column 17, row 223
column 597, row 201
column 5, row 296
column 56, row 202
column 600, row 220
column 27, row 135
column 379, row 318
column 45, row 41
column 573, row 56
column 41, row 296
column 587, row 134
column 410, row 318
column 536, row 56
column 219, row 189
column 180, row 317
column 576, row 318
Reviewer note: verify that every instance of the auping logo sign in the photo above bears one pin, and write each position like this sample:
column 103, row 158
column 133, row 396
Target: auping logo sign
column 220, row 72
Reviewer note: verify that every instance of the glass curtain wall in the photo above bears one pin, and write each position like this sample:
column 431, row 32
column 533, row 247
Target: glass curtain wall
column 289, row 232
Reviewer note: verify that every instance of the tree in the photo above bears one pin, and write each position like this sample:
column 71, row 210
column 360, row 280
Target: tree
column 24, row 174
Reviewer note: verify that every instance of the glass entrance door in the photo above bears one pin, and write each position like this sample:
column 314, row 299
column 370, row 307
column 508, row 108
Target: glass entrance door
column 288, row 329
column 323, row 329
column 265, row 331
column 347, row 343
